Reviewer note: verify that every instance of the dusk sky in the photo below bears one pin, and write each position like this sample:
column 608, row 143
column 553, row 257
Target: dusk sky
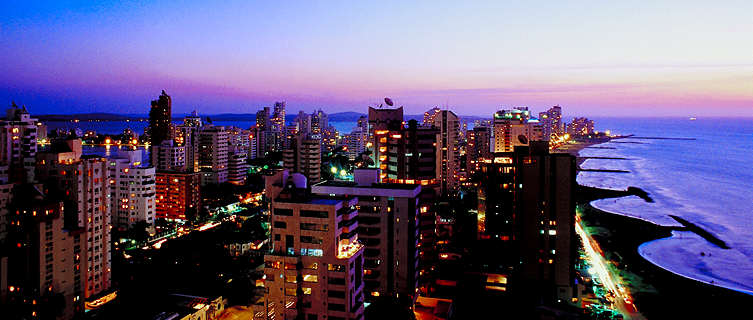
column 627, row 58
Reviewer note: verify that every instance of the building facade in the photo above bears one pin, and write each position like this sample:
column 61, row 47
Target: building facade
column 388, row 228
column 178, row 196
column 132, row 190
column 160, row 119
column 448, row 152
column 169, row 156
column 213, row 154
column 83, row 183
column 527, row 203
column 315, row 269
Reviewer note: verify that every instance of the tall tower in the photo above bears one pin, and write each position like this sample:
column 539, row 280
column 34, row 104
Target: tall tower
column 527, row 200
column 213, row 154
column 160, row 119
column 83, row 183
column 383, row 122
column 448, row 153
column 18, row 133
column 388, row 225
column 315, row 268
column 304, row 157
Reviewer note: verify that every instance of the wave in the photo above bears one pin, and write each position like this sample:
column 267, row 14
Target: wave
column 682, row 192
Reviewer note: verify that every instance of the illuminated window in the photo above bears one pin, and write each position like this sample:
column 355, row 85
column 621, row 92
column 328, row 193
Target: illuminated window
column 306, row 290
column 310, row 278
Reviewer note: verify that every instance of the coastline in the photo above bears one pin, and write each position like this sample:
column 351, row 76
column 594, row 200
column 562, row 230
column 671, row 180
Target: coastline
column 658, row 292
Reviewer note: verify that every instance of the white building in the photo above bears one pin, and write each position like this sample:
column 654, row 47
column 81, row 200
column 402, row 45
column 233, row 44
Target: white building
column 84, row 184
column 18, row 143
column 213, row 154
column 169, row 156
column 515, row 128
column 132, row 188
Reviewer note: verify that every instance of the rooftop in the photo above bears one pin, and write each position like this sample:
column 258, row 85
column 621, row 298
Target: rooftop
column 352, row 184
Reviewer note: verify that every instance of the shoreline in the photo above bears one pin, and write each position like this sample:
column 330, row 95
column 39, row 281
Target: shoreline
column 659, row 292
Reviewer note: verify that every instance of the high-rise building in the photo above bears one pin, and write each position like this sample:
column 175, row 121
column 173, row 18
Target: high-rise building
column 304, row 157
column 187, row 135
column 278, row 125
column 430, row 115
column 262, row 119
column 18, row 133
column 527, row 199
column 580, row 127
column 160, row 119
column 411, row 155
column 515, row 128
column 238, row 144
column 6, row 196
column 551, row 122
column 177, row 195
column 83, row 183
column 169, row 156
column 253, row 143
column 264, row 137
column 356, row 142
column 478, row 148
column 213, row 154
column 303, row 123
column 381, row 123
column 315, row 269
column 193, row 120
column 448, row 152
column 132, row 190
column 388, row 228
column 48, row 258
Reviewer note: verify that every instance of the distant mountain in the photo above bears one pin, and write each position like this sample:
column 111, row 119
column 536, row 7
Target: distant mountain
column 346, row 116
column 85, row 117
column 226, row 117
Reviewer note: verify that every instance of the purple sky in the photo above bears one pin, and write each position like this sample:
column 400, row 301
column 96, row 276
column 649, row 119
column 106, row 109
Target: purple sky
column 638, row 59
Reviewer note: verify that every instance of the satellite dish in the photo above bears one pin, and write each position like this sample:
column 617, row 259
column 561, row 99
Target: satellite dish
column 523, row 139
column 389, row 102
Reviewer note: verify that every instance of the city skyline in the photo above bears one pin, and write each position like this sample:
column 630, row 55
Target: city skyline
column 662, row 59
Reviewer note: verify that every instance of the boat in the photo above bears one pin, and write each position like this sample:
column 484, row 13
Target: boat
column 693, row 118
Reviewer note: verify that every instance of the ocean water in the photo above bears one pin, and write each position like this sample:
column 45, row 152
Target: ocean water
column 117, row 127
column 707, row 181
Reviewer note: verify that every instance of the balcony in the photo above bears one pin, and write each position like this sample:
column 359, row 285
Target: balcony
column 347, row 251
column 346, row 211
column 346, row 223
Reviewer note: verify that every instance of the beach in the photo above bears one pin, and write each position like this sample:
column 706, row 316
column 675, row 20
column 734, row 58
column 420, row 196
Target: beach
column 631, row 240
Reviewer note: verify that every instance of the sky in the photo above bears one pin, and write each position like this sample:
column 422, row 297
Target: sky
column 593, row 58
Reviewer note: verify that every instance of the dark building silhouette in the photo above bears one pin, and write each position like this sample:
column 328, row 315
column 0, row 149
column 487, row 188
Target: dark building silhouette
column 160, row 117
column 526, row 203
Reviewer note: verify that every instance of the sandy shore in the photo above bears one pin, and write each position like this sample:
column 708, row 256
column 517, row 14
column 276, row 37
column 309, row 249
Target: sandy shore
column 658, row 293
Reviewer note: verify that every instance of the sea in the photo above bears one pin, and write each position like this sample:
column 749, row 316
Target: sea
column 117, row 127
column 700, row 170
column 704, row 175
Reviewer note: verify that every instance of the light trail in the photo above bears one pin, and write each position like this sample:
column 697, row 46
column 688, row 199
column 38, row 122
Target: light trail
column 209, row 226
column 594, row 254
column 596, row 260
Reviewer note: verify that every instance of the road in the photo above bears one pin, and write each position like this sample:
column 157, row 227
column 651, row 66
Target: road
column 611, row 281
